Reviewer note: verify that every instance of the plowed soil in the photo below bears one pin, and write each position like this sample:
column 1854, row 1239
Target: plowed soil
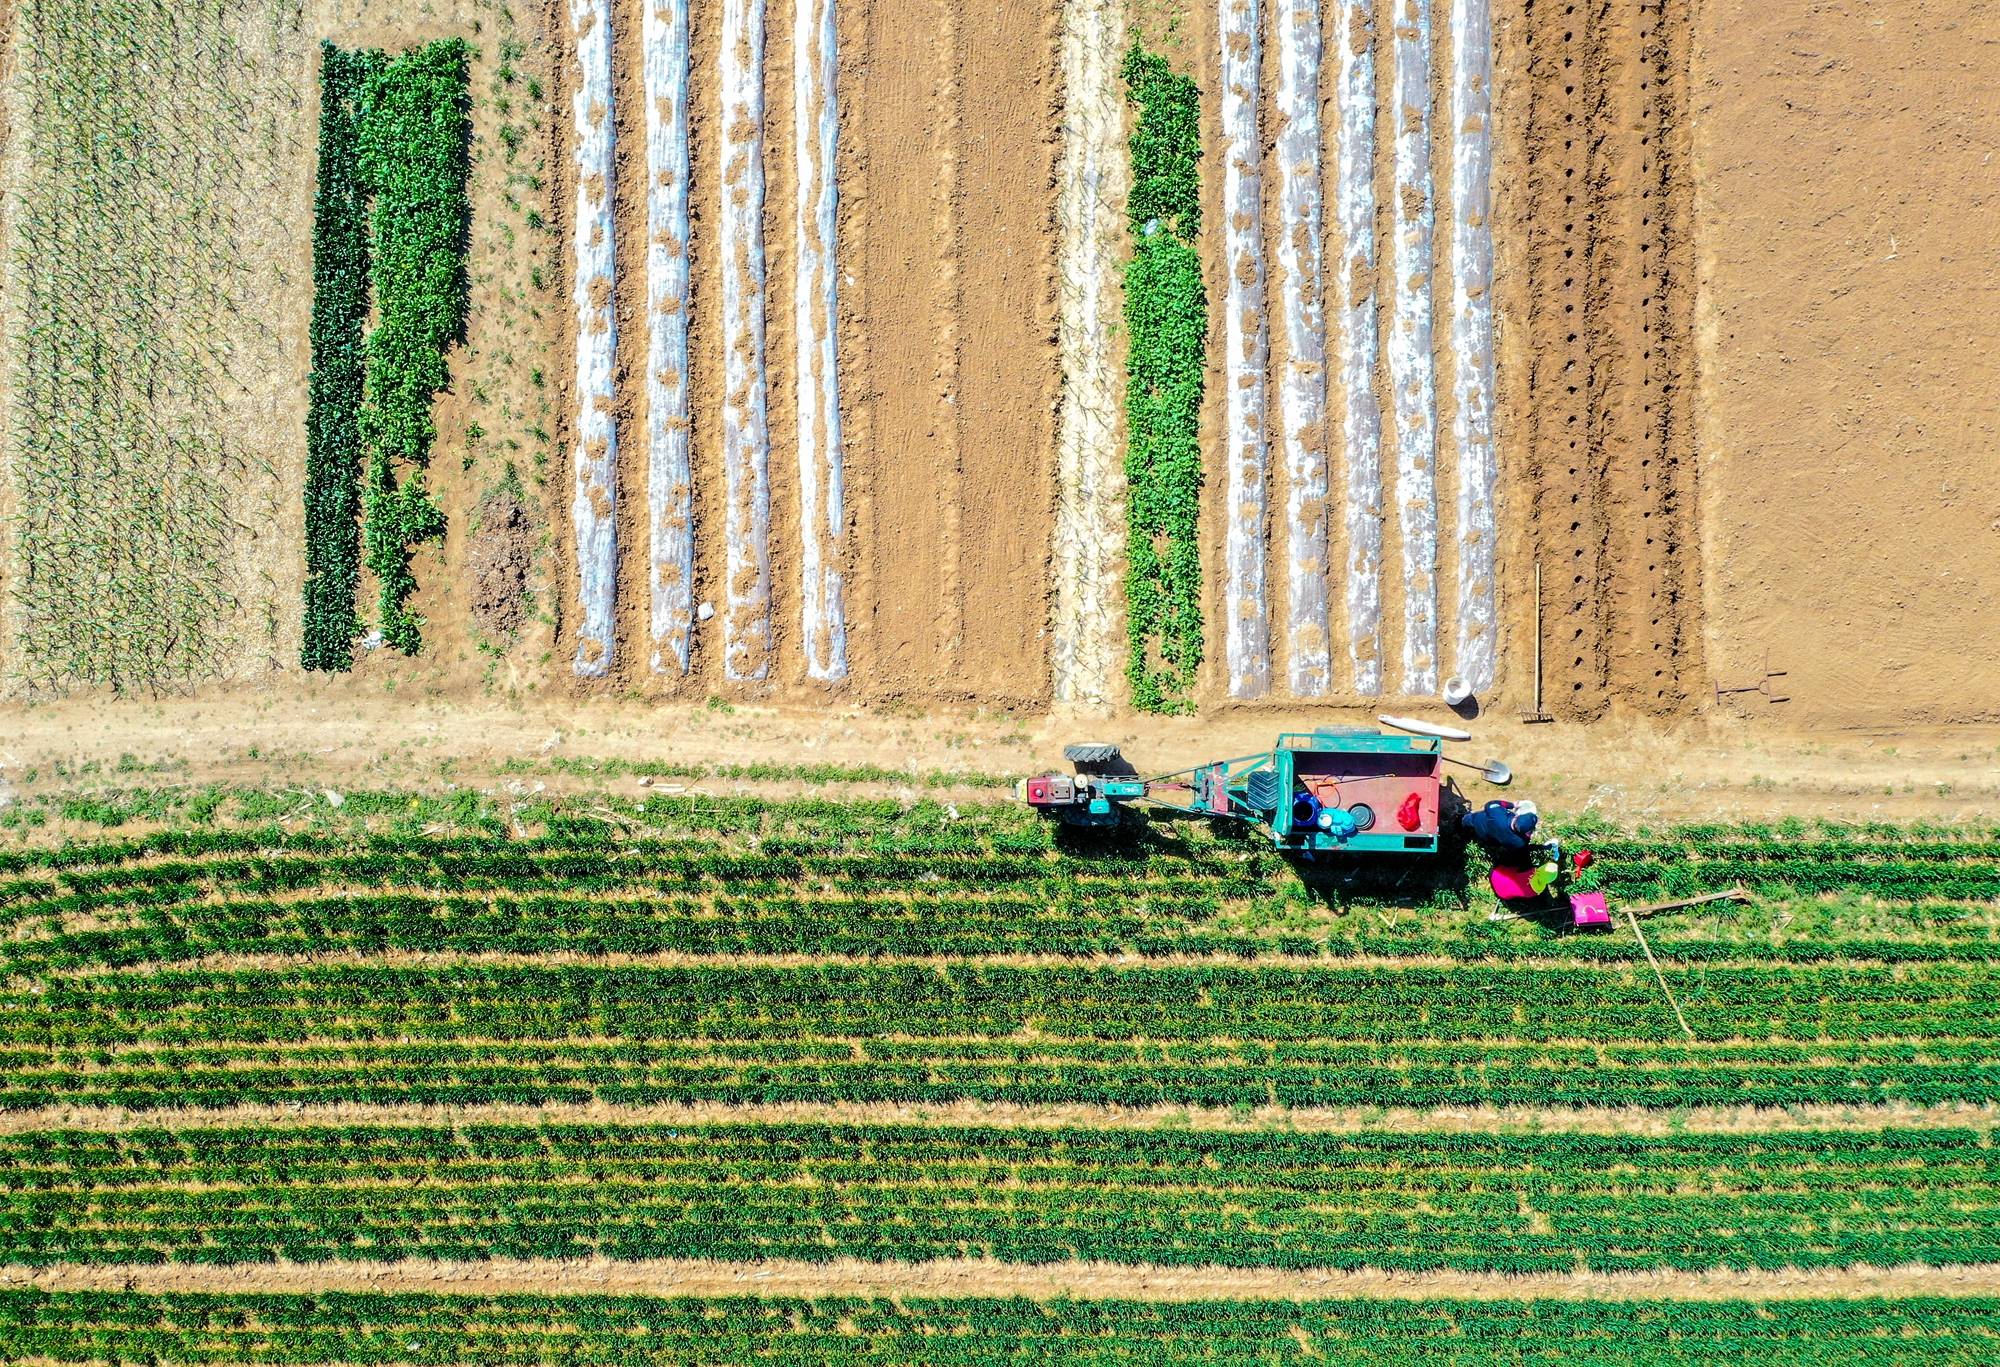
column 1601, row 463
column 950, row 357
column 1849, row 400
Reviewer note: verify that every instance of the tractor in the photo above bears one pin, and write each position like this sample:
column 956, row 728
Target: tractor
column 1334, row 790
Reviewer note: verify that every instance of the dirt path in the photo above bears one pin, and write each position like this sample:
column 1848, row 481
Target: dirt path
column 971, row 1277
column 346, row 734
column 1399, row 1120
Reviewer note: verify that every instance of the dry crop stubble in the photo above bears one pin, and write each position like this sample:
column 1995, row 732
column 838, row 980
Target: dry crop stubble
column 152, row 146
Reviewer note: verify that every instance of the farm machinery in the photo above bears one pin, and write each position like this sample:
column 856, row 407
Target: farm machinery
column 1352, row 790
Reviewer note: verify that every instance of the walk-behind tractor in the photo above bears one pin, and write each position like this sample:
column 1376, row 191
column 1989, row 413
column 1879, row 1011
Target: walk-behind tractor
column 1357, row 791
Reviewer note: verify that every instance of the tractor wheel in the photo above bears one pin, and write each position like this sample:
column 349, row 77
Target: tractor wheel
column 1090, row 756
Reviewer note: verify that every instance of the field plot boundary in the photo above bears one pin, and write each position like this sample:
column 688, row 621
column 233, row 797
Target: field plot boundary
column 987, row 1278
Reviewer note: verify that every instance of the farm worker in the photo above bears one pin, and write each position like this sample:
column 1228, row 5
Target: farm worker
column 1504, row 831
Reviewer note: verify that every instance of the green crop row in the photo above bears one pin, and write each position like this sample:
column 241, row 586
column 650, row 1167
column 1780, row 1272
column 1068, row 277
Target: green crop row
column 415, row 133
column 804, row 877
column 860, row 913
column 1166, row 321
column 333, row 405
column 200, row 820
column 1418, row 1201
column 1044, row 1072
column 1276, row 1003
column 621, row 1331
column 204, row 822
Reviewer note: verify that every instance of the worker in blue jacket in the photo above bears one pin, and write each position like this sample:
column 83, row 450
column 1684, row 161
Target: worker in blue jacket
column 1504, row 831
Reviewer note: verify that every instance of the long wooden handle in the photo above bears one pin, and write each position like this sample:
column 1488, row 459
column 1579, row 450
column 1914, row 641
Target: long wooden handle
column 1662, row 977
column 1739, row 893
column 1538, row 638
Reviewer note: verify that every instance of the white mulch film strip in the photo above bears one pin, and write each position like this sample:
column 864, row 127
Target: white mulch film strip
column 593, row 510
column 1358, row 340
column 1247, row 625
column 669, row 474
column 1302, row 380
column 822, row 511
column 746, row 431
column 1411, row 375
column 1090, row 525
column 1472, row 337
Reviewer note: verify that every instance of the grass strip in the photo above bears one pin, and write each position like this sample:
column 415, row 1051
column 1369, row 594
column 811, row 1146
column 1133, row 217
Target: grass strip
column 1166, row 319
column 415, row 130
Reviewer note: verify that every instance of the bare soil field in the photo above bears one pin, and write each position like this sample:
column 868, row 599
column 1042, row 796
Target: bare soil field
column 1847, row 400
column 1676, row 288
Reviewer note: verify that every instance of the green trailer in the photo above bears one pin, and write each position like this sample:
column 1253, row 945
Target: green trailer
column 1346, row 790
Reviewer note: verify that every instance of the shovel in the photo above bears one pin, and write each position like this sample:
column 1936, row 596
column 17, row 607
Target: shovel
column 1493, row 771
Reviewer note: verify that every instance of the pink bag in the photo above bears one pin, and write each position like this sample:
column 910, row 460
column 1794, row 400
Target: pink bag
column 1588, row 910
column 1511, row 885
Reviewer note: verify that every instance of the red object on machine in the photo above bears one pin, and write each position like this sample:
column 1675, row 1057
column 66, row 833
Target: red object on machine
column 1411, row 814
column 1051, row 790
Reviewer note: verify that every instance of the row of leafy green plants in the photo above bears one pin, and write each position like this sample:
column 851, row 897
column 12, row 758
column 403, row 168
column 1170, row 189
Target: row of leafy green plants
column 1417, row 1201
column 334, row 389
column 946, row 1000
column 636, row 1331
column 1166, row 323
column 868, row 913
column 1238, row 1073
column 392, row 225
column 913, row 891
column 211, row 817
column 471, row 826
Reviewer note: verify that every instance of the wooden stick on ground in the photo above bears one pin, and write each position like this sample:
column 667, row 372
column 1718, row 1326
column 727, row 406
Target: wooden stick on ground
column 1634, row 921
column 1739, row 893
